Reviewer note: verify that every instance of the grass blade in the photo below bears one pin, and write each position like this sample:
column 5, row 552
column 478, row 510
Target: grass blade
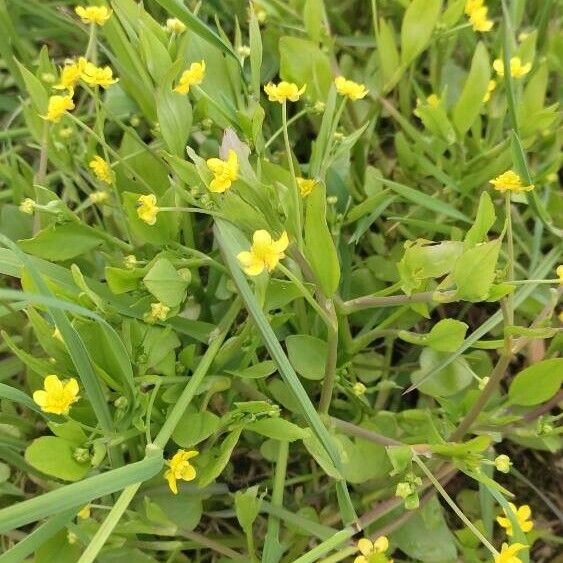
column 76, row 495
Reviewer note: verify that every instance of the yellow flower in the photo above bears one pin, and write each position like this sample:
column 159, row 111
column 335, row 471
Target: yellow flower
column 71, row 74
column 522, row 514
column 93, row 14
column 283, row 91
column 98, row 76
column 130, row 261
column 517, row 69
column 508, row 553
column 174, row 25
column 191, row 77
column 350, row 89
column 490, row 89
column 503, row 463
column 243, row 51
column 368, row 549
column 479, row 20
column 57, row 107
column 56, row 396
column 359, row 389
column 101, row 169
column 510, row 181
column 84, row 513
column 472, row 5
column 159, row 312
column 306, row 185
column 180, row 468
column 225, row 172
column 433, row 100
column 265, row 253
column 559, row 273
column 99, row 197
column 147, row 209
column 27, row 206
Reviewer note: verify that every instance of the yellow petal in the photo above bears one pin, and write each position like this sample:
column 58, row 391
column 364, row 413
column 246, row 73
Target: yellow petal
column 261, row 237
column 381, row 544
column 281, row 244
column 365, row 546
column 169, row 476
column 72, row 386
column 524, row 512
column 52, row 384
column 360, row 559
column 188, row 473
column 40, row 397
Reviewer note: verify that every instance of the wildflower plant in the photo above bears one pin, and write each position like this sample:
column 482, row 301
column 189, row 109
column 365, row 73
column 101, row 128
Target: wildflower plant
column 280, row 281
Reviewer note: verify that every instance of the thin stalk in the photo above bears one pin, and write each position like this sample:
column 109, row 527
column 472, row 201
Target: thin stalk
column 191, row 210
column 330, row 372
column 290, row 121
column 510, row 251
column 308, row 297
column 216, row 340
column 483, row 398
column 272, row 535
column 372, row 302
column 454, row 507
column 296, row 194
column 42, row 168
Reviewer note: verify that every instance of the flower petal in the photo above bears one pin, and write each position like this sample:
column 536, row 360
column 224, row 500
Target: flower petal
column 40, row 397
column 52, row 384
column 365, row 546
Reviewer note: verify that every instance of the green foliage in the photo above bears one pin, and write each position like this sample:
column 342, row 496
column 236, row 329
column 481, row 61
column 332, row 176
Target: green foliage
column 404, row 340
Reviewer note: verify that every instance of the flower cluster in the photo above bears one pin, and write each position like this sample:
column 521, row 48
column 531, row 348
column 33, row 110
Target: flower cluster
column 191, row 77
column 264, row 254
column 478, row 15
column 373, row 551
column 517, row 69
column 57, row 396
column 509, row 181
column 180, row 468
column 102, row 169
column 225, row 172
column 93, row 15
column 147, row 210
column 284, row 91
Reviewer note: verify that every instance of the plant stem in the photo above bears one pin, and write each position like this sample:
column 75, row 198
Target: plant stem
column 371, row 302
column 272, row 535
column 296, row 197
column 510, row 251
column 291, row 120
column 330, row 372
column 483, row 398
column 454, row 506
column 308, row 297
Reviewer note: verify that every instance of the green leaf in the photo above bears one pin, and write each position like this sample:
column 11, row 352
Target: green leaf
column 165, row 283
column 426, row 536
column 470, row 101
column 475, row 271
column 448, row 381
column 35, row 89
column 400, row 458
column 174, row 113
column 484, row 220
column 319, row 246
column 307, row 355
column 278, row 429
column 537, row 383
column 54, row 456
column 313, row 14
column 303, row 62
column 257, row 371
column 247, row 507
column 194, row 427
column 473, row 446
column 178, row 10
column 445, row 336
column 220, row 459
column 62, row 242
column 255, row 52
column 426, row 201
column 418, row 24
column 389, row 59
